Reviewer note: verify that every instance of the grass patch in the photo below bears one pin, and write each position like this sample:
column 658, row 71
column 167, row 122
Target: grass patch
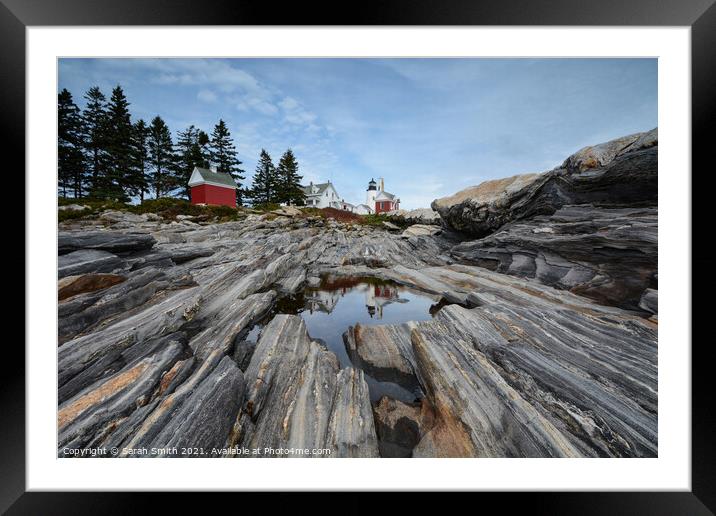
column 374, row 219
column 95, row 207
column 377, row 220
column 166, row 207
column 270, row 206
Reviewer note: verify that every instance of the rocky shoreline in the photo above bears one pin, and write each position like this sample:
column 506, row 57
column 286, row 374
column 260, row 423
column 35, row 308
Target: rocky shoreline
column 544, row 345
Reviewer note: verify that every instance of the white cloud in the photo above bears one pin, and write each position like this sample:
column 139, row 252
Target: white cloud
column 217, row 79
column 248, row 103
column 288, row 103
column 295, row 113
column 206, row 96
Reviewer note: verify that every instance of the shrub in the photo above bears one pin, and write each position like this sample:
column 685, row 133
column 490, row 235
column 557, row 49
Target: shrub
column 167, row 207
column 181, row 206
column 64, row 215
column 96, row 206
column 225, row 213
column 341, row 215
column 313, row 212
column 377, row 220
column 270, row 206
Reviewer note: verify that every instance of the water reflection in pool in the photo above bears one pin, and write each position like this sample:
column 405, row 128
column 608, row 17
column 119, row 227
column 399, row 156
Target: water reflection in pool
column 337, row 303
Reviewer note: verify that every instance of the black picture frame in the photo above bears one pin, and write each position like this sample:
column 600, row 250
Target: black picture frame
column 700, row 15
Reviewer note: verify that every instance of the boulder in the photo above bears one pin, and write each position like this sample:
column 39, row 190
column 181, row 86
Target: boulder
column 595, row 156
column 484, row 208
column 390, row 226
column 645, row 141
column 421, row 230
column 417, row 216
column 151, row 217
column 622, row 172
column 73, row 207
column 115, row 216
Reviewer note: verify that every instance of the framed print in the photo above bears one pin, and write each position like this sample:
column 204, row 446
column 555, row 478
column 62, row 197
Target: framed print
column 424, row 244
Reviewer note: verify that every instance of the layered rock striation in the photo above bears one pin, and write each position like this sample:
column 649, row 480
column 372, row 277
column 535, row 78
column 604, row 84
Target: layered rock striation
column 589, row 226
column 544, row 343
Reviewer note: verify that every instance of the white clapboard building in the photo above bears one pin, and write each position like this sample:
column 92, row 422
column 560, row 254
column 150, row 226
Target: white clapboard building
column 322, row 195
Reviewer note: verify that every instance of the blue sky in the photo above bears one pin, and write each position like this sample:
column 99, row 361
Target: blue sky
column 430, row 127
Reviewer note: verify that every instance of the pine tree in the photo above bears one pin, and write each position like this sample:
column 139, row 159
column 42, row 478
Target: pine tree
column 139, row 160
column 162, row 159
column 116, row 183
column 288, row 181
column 95, row 117
column 223, row 155
column 263, row 187
column 191, row 152
column 204, row 141
column 70, row 141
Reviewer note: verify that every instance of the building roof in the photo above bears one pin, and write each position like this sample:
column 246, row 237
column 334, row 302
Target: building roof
column 385, row 195
column 321, row 188
column 204, row 175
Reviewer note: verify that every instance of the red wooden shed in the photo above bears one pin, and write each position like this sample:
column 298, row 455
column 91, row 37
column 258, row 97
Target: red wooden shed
column 209, row 187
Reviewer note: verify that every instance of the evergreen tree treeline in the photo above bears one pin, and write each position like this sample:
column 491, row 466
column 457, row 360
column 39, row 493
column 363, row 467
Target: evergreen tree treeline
column 103, row 154
column 277, row 184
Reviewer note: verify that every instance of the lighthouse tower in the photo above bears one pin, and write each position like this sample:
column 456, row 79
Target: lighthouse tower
column 371, row 193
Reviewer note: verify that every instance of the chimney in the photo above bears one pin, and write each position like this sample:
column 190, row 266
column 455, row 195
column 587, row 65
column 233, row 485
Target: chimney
column 382, row 185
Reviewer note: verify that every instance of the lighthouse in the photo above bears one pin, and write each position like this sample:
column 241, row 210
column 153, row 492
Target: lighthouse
column 378, row 199
column 371, row 193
